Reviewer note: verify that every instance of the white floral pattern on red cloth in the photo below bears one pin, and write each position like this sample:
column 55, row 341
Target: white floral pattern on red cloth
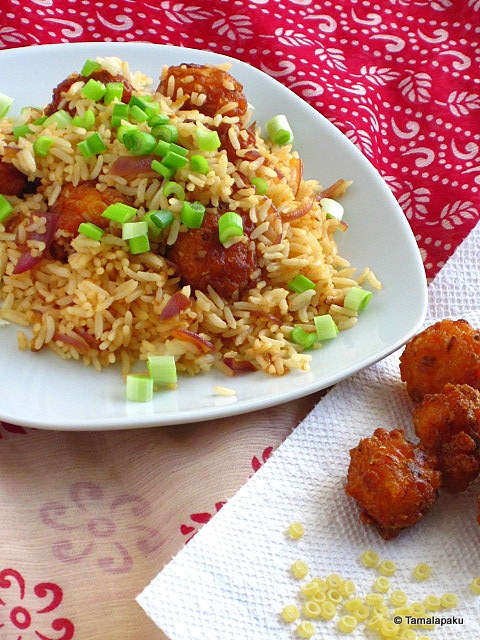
column 399, row 78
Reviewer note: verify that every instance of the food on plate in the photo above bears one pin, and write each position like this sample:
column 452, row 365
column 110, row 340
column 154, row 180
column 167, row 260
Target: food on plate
column 139, row 223
column 393, row 481
column 448, row 425
column 446, row 352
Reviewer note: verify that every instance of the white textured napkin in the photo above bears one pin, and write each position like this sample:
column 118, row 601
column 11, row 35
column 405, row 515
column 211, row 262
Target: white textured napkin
column 232, row 580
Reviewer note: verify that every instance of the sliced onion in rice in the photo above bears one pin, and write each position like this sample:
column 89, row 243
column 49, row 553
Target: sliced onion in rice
column 264, row 314
column 238, row 365
column 83, row 333
column 193, row 338
column 177, row 303
column 298, row 212
column 296, row 173
column 129, row 166
column 70, row 340
column 26, row 260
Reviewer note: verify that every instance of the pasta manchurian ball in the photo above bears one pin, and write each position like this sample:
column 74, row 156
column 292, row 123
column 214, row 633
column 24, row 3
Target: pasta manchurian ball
column 448, row 425
column 393, row 481
column 446, row 352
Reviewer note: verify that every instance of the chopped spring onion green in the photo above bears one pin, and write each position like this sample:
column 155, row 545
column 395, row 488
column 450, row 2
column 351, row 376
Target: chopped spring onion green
column 207, row 140
column 142, row 102
column 119, row 212
column 162, row 369
column 42, row 145
column 162, row 218
column 91, row 231
column 279, row 130
column 261, row 186
column 158, row 118
column 175, row 160
column 176, row 148
column 199, row 164
column 174, row 189
column 152, row 109
column 159, row 167
column 5, row 104
column 113, row 90
column 140, row 244
column 154, row 232
column 40, row 120
column 167, row 132
column 326, row 327
column 162, row 148
column 332, row 208
column 134, row 230
column 92, row 146
column 124, row 128
column 120, row 112
column 139, row 388
column 21, row 131
column 87, row 121
column 300, row 283
column 61, row 118
column 357, row 299
column 230, row 225
column 192, row 214
column 303, row 338
column 138, row 114
column 5, row 209
column 139, row 143
column 89, row 67
column 94, row 90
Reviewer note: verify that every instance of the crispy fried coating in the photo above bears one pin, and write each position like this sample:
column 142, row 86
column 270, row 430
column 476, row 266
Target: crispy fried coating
column 448, row 425
column 446, row 352
column 101, row 76
column 246, row 141
column 393, row 481
column 219, row 86
column 203, row 260
column 12, row 181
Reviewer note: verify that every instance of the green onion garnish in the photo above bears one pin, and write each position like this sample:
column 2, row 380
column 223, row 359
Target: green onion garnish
column 89, row 67
column 261, row 186
column 124, row 128
column 42, row 145
column 143, row 103
column 174, row 189
column 279, row 130
column 139, row 388
column 174, row 160
column 300, row 283
column 61, row 118
column 303, row 338
column 92, row 146
column 192, row 214
column 87, row 121
column 162, row 148
column 40, row 120
column 167, row 132
column 152, row 109
column 176, row 148
column 5, row 104
column 162, row 218
column 120, row 112
column 113, row 90
column 94, row 90
column 138, row 114
column 134, row 230
column 158, row 118
column 5, row 209
column 119, row 212
column 140, row 244
column 332, row 208
column 357, row 299
column 139, row 143
column 162, row 369
column 199, row 164
column 91, row 231
column 230, row 225
column 326, row 327
column 207, row 140
column 159, row 167
column 21, row 131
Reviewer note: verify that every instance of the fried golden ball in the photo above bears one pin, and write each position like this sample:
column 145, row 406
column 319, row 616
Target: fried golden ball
column 448, row 425
column 446, row 352
column 393, row 481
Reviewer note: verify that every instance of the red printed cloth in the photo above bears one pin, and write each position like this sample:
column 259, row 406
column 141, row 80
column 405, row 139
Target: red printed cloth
column 87, row 520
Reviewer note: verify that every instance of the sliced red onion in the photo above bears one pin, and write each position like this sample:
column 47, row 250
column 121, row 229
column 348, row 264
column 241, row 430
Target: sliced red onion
column 130, row 166
column 26, row 260
column 194, row 338
column 80, row 346
column 264, row 314
column 238, row 365
column 299, row 212
column 296, row 175
column 89, row 339
column 177, row 303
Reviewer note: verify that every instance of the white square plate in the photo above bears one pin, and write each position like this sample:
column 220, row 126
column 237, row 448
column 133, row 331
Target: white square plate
column 40, row 390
